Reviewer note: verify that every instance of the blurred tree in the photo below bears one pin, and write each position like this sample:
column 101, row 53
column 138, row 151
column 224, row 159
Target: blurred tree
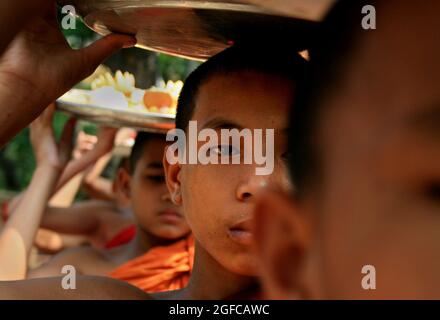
column 81, row 36
column 19, row 153
column 172, row 68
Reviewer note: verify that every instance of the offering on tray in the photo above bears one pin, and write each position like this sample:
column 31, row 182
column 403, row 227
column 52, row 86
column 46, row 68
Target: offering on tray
column 119, row 92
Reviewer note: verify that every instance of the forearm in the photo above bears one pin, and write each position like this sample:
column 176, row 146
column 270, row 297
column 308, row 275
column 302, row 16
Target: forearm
column 96, row 186
column 18, row 235
column 21, row 105
column 76, row 166
column 97, row 169
column 87, row 287
column 66, row 195
column 13, row 203
column 101, row 189
column 63, row 220
column 12, row 17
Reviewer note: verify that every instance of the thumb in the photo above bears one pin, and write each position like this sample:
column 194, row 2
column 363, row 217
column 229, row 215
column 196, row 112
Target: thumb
column 92, row 56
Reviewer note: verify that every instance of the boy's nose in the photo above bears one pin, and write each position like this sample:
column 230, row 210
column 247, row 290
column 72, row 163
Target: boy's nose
column 251, row 187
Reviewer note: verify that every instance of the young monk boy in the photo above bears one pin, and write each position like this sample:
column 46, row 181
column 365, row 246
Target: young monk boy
column 154, row 261
column 243, row 87
column 159, row 221
column 365, row 140
column 162, row 268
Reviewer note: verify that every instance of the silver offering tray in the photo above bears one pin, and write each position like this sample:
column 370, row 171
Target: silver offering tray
column 198, row 29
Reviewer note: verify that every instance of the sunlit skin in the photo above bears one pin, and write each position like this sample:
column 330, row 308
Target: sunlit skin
column 378, row 201
column 218, row 200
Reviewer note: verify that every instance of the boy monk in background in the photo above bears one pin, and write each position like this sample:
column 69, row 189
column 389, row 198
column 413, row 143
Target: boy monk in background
column 365, row 140
column 159, row 222
column 165, row 267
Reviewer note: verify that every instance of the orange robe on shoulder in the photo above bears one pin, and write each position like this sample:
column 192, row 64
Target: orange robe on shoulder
column 164, row 268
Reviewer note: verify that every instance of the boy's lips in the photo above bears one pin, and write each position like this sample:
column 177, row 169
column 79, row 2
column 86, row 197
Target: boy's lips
column 241, row 232
column 171, row 216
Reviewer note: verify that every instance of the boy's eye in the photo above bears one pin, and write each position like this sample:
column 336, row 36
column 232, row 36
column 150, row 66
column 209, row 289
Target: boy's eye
column 224, row 150
column 156, row 179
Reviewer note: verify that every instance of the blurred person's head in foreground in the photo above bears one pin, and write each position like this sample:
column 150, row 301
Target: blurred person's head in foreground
column 365, row 161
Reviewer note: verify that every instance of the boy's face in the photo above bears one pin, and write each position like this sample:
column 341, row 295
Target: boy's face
column 379, row 200
column 150, row 199
column 218, row 200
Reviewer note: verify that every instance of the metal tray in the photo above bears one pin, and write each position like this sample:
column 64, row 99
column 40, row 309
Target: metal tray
column 314, row 10
column 196, row 29
column 153, row 122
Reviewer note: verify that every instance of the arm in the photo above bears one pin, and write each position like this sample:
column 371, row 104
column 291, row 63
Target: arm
column 99, row 187
column 103, row 146
column 13, row 15
column 38, row 65
column 106, row 137
column 66, row 195
column 87, row 287
column 50, row 242
column 96, row 186
column 80, row 219
column 18, row 235
column 19, row 232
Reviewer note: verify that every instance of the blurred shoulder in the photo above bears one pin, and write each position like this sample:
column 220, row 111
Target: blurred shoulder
column 86, row 287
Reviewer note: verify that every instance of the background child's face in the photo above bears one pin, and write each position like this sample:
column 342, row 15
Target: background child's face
column 218, row 200
column 150, row 199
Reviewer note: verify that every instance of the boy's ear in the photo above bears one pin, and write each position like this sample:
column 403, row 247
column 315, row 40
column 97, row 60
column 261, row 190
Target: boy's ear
column 282, row 236
column 172, row 177
column 124, row 182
